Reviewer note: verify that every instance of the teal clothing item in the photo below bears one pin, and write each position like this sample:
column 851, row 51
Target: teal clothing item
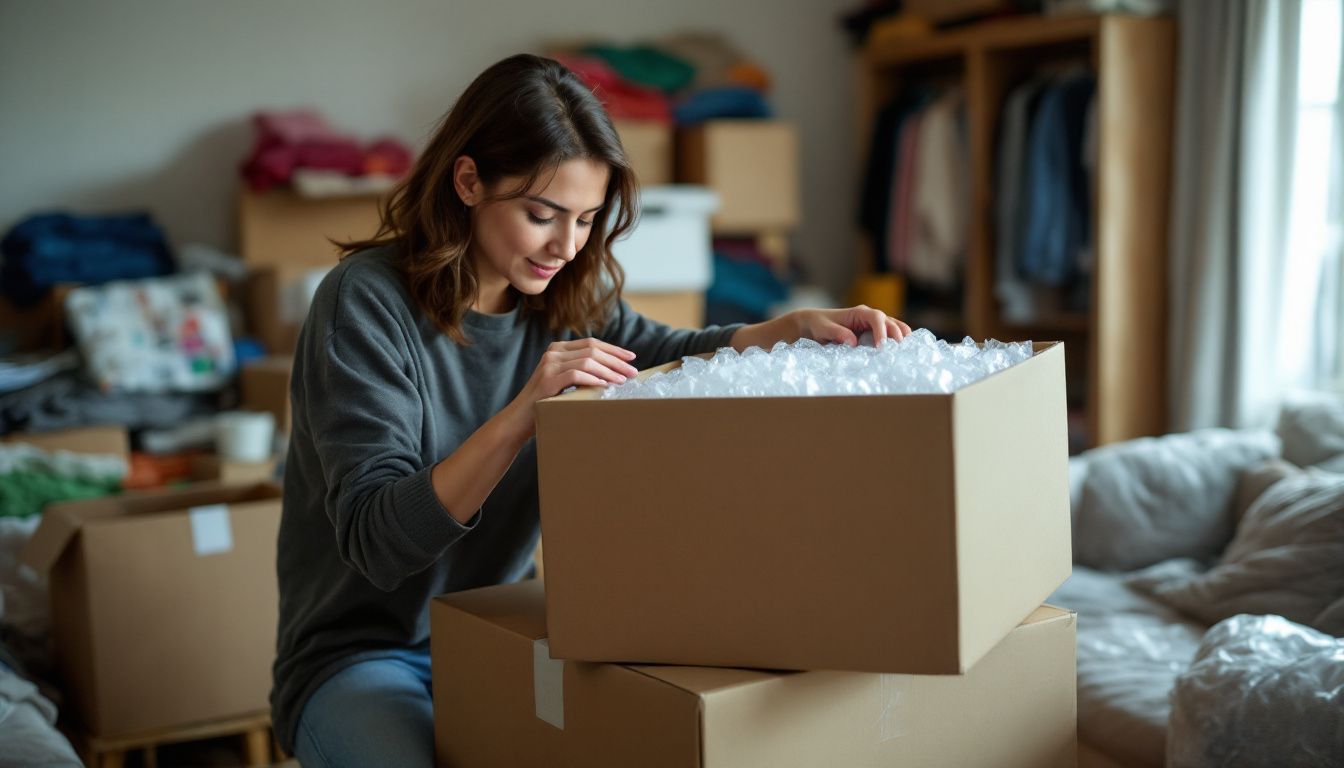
column 379, row 396
column 645, row 66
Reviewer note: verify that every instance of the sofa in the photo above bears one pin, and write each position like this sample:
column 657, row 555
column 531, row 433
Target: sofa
column 1209, row 584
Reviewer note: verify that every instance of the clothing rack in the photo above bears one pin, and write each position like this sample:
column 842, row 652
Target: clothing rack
column 1116, row 348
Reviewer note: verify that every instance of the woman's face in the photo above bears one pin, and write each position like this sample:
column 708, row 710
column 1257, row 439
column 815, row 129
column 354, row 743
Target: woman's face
column 523, row 242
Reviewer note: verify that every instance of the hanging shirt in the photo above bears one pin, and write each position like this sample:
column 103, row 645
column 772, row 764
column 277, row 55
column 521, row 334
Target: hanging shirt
column 940, row 196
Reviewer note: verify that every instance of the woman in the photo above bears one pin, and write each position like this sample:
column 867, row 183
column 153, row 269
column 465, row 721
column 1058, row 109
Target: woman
column 411, row 469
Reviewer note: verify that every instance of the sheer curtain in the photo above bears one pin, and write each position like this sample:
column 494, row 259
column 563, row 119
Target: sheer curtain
column 1255, row 246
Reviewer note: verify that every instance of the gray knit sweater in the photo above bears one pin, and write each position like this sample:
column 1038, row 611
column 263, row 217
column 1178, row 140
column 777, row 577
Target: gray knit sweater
column 379, row 396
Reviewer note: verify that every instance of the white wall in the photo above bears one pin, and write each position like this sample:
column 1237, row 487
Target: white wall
column 143, row 103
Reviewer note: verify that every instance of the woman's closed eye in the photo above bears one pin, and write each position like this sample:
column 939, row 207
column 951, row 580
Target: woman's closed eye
column 535, row 219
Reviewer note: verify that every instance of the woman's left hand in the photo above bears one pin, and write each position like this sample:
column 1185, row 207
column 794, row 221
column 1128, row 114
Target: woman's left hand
column 844, row 326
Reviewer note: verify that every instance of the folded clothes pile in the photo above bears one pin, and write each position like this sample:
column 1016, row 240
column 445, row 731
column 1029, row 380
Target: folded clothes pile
column 686, row 78
column 287, row 142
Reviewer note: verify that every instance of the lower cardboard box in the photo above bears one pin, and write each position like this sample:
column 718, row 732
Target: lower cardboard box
column 500, row 700
column 163, row 604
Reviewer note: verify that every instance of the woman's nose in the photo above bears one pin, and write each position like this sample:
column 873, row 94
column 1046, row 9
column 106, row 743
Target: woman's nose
column 563, row 246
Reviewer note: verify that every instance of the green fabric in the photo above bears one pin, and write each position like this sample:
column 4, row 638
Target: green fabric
column 24, row 492
column 646, row 66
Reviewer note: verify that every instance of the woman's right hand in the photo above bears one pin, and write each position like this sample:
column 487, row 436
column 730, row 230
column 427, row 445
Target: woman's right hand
column 579, row 363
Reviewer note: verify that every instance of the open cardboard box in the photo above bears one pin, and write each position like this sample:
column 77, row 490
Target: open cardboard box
column 500, row 700
column 163, row 603
column 901, row 533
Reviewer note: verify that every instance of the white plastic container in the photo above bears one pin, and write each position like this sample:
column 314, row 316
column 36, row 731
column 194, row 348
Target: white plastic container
column 244, row 435
column 670, row 248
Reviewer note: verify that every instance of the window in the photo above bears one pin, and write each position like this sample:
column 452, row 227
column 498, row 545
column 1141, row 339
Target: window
column 1311, row 352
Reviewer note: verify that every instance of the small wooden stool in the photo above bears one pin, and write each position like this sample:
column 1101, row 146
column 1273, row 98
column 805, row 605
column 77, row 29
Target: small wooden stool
column 110, row 752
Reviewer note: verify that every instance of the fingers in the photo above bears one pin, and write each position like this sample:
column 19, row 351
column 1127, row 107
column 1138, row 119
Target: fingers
column 578, row 377
column 594, row 344
column 602, row 356
column 594, row 368
column 876, row 320
column 897, row 329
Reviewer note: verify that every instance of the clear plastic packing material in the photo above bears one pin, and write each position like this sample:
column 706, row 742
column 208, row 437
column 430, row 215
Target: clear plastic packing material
column 1262, row 691
column 919, row 364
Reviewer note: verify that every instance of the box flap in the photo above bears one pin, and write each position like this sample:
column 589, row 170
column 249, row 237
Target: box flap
column 519, row 608
column 60, row 522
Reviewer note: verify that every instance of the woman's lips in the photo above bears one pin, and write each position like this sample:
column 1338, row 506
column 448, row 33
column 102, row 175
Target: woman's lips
column 541, row 271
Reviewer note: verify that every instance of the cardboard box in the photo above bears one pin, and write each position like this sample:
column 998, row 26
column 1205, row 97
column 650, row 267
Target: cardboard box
column 104, row 440
column 210, row 467
column 902, row 533
column 163, row 603
column 277, row 301
column 280, row 228
column 648, row 145
column 751, row 164
column 264, row 386
column 684, row 309
column 500, row 700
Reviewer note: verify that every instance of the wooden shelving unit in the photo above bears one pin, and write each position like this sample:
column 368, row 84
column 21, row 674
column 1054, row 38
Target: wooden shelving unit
column 1119, row 345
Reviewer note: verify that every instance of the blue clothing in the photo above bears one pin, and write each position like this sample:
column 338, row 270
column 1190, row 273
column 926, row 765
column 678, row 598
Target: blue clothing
column 729, row 101
column 1058, row 215
column 377, row 712
column 51, row 248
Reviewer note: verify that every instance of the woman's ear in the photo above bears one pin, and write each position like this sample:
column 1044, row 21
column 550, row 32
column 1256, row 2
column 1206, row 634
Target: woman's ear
column 467, row 182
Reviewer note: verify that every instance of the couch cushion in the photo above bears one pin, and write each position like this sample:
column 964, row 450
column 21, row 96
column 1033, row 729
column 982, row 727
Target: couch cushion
column 1287, row 558
column 1311, row 427
column 1147, row 500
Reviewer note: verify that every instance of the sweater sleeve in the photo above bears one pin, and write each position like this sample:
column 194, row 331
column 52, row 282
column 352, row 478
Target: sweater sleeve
column 655, row 343
column 366, row 414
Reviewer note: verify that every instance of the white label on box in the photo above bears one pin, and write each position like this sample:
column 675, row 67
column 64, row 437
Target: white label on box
column 211, row 532
column 889, row 722
column 548, row 684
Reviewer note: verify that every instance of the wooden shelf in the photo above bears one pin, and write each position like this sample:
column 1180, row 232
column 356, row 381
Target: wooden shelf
column 1010, row 34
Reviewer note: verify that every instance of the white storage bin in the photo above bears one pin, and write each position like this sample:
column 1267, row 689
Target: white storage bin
column 669, row 249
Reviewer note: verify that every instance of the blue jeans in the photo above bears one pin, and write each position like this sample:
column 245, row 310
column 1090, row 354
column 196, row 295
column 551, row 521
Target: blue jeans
column 372, row 713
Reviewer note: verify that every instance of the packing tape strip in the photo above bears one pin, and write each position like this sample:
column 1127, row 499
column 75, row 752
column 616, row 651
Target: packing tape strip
column 889, row 725
column 548, row 684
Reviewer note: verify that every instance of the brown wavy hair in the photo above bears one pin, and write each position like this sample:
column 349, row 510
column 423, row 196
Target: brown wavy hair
column 523, row 116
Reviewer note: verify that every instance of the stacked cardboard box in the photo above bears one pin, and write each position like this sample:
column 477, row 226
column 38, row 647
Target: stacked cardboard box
column 513, row 705
column 752, row 165
column 876, row 542
column 286, row 242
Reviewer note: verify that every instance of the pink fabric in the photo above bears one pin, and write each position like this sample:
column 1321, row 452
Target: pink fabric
column 301, row 138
